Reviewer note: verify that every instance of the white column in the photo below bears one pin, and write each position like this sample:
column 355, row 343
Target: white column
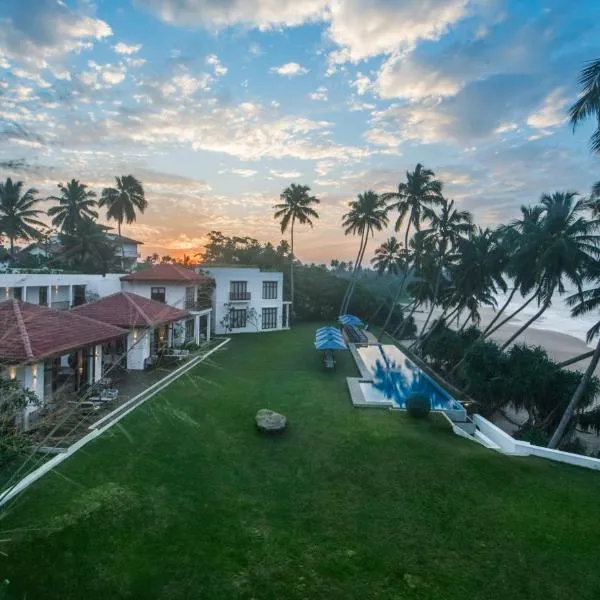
column 197, row 329
column 98, row 364
column 49, row 295
column 70, row 296
column 208, row 327
column 24, row 293
column 169, row 335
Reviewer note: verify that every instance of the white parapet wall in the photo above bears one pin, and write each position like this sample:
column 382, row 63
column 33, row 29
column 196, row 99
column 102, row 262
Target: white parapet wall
column 508, row 445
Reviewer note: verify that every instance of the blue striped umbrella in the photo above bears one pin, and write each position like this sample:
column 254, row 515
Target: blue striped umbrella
column 331, row 344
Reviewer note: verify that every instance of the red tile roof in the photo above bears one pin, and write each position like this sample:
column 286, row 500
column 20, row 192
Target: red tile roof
column 167, row 273
column 128, row 310
column 30, row 332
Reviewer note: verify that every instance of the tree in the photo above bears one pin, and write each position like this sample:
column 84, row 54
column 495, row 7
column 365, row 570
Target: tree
column 445, row 230
column 389, row 257
column 367, row 214
column 582, row 303
column 564, row 246
column 419, row 190
column 588, row 104
column 74, row 203
column 296, row 205
column 122, row 202
column 88, row 248
column 18, row 217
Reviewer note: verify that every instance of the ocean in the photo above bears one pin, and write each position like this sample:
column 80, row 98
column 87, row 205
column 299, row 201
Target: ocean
column 556, row 318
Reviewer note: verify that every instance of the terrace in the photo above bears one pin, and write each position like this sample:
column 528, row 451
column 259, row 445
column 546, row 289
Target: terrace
column 184, row 499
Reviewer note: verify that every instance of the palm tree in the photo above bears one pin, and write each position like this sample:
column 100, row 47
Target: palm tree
column 74, row 203
column 564, row 247
column 582, row 303
column 367, row 214
column 389, row 257
column 122, row 202
column 589, row 102
column 87, row 247
column 420, row 190
column 295, row 206
column 445, row 230
column 18, row 217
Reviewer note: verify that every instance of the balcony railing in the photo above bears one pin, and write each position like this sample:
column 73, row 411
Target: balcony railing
column 61, row 305
column 197, row 304
column 239, row 296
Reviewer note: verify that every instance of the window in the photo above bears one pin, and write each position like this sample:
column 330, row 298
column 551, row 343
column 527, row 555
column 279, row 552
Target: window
column 238, row 318
column 158, row 294
column 189, row 330
column 43, row 297
column 269, row 290
column 78, row 295
column 269, row 318
column 18, row 293
column 238, row 290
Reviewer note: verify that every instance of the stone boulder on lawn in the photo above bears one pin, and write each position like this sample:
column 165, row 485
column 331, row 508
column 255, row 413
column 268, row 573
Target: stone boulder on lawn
column 269, row 421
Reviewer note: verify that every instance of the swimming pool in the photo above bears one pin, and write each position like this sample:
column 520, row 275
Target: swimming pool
column 394, row 376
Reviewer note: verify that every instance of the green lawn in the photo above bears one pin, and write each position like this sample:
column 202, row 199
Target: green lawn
column 184, row 499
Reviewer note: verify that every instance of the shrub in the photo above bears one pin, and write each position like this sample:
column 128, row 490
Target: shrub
column 418, row 405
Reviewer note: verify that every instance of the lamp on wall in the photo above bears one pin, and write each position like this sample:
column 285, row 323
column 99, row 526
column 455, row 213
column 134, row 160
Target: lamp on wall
column 12, row 373
column 135, row 335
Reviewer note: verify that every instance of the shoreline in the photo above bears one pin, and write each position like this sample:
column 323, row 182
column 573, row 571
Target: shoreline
column 559, row 346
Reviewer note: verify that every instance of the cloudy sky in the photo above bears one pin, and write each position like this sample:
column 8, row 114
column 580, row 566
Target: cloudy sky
column 217, row 105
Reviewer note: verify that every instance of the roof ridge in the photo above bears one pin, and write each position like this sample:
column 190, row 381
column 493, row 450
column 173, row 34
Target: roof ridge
column 139, row 308
column 22, row 329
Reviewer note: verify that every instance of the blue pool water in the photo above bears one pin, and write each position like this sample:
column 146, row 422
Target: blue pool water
column 394, row 376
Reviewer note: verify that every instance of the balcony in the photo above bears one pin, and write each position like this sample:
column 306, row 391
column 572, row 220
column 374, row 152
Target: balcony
column 61, row 305
column 197, row 305
column 239, row 296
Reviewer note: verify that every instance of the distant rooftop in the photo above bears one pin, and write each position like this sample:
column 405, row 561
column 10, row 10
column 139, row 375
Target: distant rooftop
column 165, row 273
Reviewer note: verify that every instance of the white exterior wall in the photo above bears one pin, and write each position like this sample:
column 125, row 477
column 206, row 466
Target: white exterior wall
column 254, row 277
column 138, row 348
column 174, row 294
column 61, row 285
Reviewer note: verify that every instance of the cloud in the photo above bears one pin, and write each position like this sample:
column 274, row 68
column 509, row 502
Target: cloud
column 107, row 74
column 41, row 32
column 552, row 112
column 361, row 84
column 363, row 30
column 290, row 69
column 122, row 48
column 213, row 60
column 263, row 14
column 319, row 94
column 243, row 172
column 285, row 174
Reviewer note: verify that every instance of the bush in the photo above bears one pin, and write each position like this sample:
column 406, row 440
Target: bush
column 418, row 405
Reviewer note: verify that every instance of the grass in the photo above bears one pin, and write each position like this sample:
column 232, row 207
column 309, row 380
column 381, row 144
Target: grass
column 184, row 499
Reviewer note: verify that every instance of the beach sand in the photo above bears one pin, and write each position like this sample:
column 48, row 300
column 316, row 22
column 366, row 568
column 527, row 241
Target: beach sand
column 559, row 346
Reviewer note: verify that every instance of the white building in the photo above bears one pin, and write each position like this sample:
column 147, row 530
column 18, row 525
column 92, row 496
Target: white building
column 247, row 300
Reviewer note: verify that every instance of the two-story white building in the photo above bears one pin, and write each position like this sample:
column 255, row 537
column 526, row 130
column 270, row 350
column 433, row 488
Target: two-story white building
column 247, row 300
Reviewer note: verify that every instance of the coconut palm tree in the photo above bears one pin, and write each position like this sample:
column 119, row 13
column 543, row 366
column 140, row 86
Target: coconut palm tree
column 123, row 202
column 87, row 247
column 18, row 217
column 295, row 206
column 389, row 257
column 588, row 104
column 419, row 190
column 582, row 303
column 445, row 229
column 565, row 247
column 367, row 214
column 74, row 203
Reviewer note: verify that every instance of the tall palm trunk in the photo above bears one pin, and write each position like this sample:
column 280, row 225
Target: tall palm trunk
column 402, row 282
column 415, row 304
column 464, row 324
column 436, row 290
column 513, row 314
column 521, row 329
column 350, row 288
column 576, row 399
column 358, row 270
column 122, row 247
column 576, row 359
column 292, row 311
column 420, row 341
column 501, row 311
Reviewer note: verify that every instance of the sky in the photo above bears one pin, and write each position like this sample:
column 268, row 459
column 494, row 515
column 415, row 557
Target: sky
column 218, row 105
